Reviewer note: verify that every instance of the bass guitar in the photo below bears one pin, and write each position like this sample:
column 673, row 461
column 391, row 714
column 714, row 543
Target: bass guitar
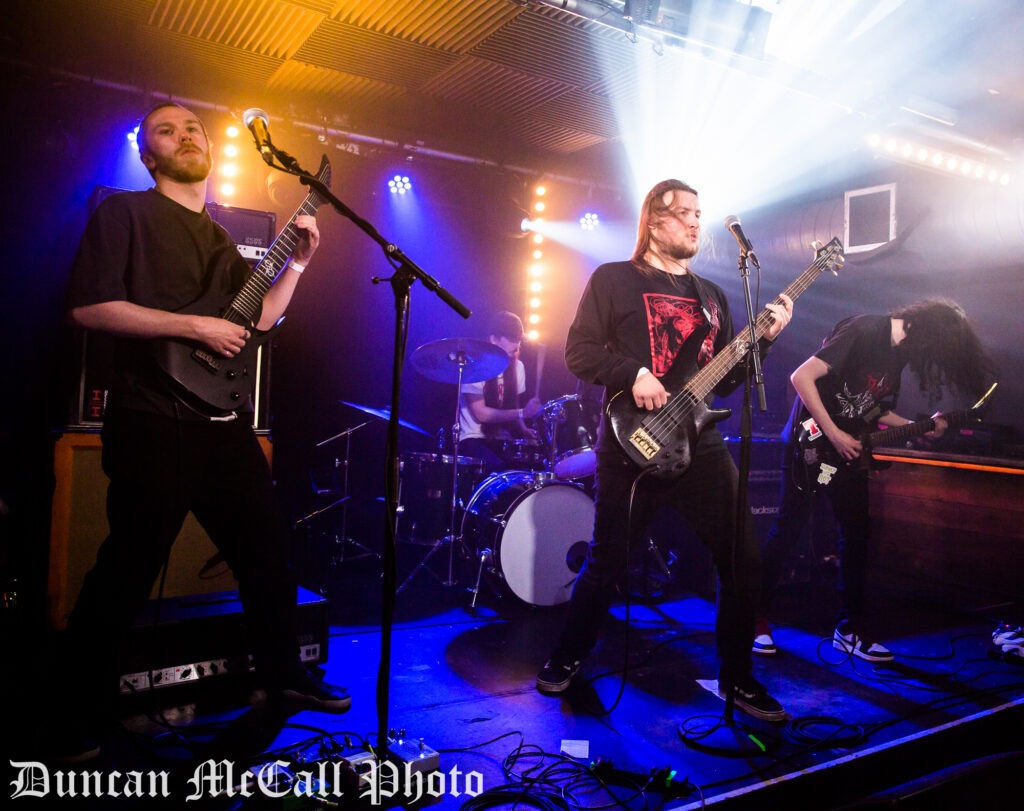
column 822, row 461
column 662, row 441
column 212, row 382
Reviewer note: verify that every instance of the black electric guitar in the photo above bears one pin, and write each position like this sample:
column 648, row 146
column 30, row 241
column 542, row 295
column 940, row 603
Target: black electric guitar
column 210, row 381
column 822, row 460
column 662, row 441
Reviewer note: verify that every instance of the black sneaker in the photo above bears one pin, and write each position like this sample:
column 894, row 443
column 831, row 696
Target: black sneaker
column 557, row 674
column 312, row 694
column 753, row 698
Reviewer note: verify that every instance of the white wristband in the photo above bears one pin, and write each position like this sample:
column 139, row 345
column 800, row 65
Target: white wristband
column 298, row 267
column 643, row 370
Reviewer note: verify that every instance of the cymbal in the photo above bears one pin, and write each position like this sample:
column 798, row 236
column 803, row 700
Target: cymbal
column 384, row 414
column 441, row 360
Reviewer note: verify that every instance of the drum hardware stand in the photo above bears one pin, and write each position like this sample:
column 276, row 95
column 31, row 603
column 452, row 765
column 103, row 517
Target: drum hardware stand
column 341, row 538
column 486, row 561
column 460, row 359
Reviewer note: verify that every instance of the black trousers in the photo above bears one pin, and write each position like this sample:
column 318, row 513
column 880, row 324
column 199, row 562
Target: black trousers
column 848, row 496
column 159, row 470
column 705, row 495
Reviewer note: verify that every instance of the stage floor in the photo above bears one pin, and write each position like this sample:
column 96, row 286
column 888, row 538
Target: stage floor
column 629, row 733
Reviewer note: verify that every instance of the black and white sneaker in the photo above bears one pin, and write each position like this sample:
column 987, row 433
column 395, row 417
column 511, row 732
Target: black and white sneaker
column 557, row 674
column 848, row 640
column 753, row 698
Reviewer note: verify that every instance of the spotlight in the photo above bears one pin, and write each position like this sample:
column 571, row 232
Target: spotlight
column 399, row 184
column 231, row 131
column 589, row 221
column 133, row 138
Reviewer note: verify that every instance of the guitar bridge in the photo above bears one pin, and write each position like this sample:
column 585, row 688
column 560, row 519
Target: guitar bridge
column 644, row 442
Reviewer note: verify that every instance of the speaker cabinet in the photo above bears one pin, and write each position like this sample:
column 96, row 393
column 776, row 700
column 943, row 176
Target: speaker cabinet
column 79, row 526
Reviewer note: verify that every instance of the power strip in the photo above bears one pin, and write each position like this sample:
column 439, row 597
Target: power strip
column 195, row 671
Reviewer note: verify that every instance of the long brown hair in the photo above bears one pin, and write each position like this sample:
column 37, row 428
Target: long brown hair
column 652, row 211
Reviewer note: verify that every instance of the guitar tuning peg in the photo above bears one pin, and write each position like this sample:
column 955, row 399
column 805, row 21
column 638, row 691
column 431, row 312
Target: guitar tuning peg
column 816, row 245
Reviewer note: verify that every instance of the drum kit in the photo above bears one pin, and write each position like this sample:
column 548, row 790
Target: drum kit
column 527, row 529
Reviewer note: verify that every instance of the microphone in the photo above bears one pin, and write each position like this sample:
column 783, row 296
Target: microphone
column 732, row 222
column 257, row 122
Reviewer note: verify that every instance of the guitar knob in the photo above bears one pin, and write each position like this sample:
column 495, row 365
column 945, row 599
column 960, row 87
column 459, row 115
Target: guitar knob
column 231, row 374
column 236, row 396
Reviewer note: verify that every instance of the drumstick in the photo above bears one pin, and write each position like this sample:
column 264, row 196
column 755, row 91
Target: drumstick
column 541, row 352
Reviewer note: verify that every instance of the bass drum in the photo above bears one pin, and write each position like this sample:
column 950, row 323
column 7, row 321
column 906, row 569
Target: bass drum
column 536, row 531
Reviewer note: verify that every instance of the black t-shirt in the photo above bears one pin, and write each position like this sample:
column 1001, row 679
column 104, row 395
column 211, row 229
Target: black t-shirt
column 864, row 369
column 145, row 248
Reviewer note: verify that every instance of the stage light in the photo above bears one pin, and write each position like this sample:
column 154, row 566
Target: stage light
column 532, row 335
column 589, row 221
column 133, row 138
column 538, row 239
column 229, row 170
column 536, row 270
column 230, row 151
column 538, row 206
column 534, row 318
column 536, row 287
column 538, row 254
column 526, row 224
column 227, row 189
column 399, row 184
column 232, row 131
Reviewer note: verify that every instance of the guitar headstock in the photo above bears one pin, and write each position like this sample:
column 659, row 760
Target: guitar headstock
column 830, row 256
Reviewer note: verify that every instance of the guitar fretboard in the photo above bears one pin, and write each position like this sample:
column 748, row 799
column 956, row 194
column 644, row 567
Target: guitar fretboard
column 247, row 301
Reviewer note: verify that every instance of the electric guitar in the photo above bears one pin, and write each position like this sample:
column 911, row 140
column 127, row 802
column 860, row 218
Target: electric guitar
column 662, row 441
column 822, row 460
column 220, row 383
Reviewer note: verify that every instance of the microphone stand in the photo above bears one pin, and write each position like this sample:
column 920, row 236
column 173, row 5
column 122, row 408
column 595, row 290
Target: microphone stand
column 405, row 275
column 726, row 737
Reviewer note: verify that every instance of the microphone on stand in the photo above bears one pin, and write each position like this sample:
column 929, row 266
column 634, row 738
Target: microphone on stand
column 258, row 123
column 732, row 222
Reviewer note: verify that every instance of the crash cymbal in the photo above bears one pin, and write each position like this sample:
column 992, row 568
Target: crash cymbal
column 441, row 360
column 384, row 414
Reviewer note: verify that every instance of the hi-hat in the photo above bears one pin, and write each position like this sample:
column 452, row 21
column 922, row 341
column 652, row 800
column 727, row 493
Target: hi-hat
column 441, row 360
column 384, row 414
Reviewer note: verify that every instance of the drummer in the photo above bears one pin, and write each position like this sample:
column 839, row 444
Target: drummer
column 491, row 411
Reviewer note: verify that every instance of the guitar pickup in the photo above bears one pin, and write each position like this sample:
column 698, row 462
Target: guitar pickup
column 644, row 442
column 208, row 360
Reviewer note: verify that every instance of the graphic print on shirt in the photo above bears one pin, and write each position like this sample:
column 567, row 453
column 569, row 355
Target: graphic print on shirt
column 670, row 321
column 853, row 405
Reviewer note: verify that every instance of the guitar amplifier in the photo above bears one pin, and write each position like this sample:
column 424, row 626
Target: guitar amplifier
column 253, row 233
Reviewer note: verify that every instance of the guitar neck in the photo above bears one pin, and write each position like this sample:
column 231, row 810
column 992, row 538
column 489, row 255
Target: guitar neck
column 891, row 437
column 247, row 301
column 704, row 381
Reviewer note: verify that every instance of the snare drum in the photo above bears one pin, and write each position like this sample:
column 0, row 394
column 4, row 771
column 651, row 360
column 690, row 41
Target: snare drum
column 563, row 425
column 537, row 531
column 426, row 498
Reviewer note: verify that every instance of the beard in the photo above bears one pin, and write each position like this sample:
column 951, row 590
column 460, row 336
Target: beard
column 680, row 251
column 188, row 167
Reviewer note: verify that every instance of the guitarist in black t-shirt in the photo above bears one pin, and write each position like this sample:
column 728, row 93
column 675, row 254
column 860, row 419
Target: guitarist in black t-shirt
column 849, row 386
